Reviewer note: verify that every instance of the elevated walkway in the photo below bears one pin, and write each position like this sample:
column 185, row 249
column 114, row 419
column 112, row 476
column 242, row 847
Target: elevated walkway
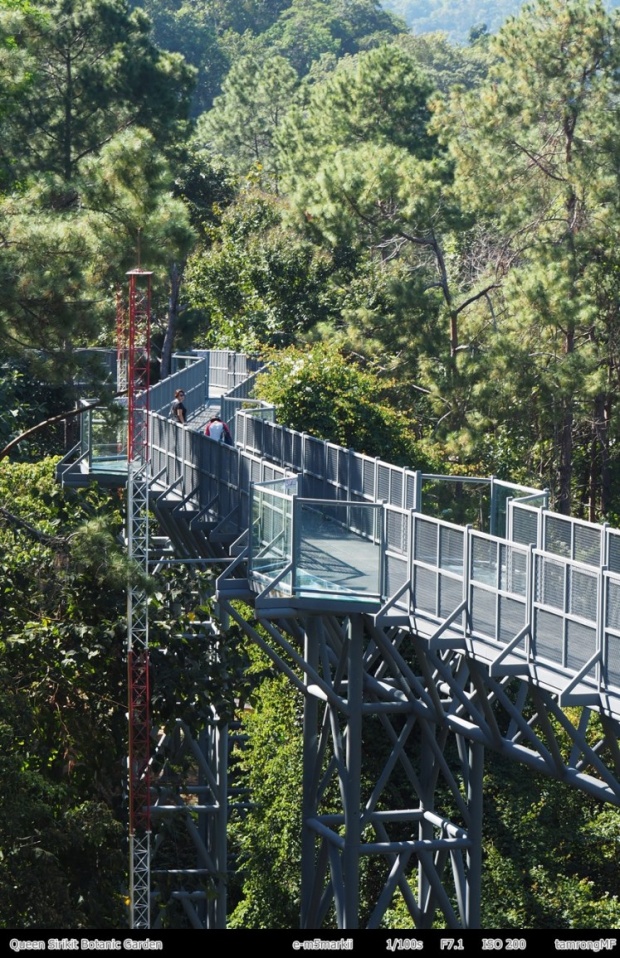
column 314, row 527
column 406, row 608
column 215, row 382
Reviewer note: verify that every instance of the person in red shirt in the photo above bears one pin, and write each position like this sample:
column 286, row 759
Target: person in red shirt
column 218, row 430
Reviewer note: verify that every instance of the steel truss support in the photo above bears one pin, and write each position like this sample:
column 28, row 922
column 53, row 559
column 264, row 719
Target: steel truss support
column 189, row 812
column 395, row 735
column 188, row 774
column 374, row 765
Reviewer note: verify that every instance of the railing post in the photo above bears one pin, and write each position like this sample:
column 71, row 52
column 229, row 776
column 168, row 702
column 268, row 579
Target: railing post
column 601, row 619
column 603, row 552
column 411, row 557
column 509, row 519
column 529, row 596
column 467, row 562
column 295, row 540
column 418, row 490
column 382, row 512
column 350, row 457
column 87, row 444
column 251, row 530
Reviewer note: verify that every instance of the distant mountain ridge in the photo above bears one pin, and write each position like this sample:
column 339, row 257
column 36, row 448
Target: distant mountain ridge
column 457, row 17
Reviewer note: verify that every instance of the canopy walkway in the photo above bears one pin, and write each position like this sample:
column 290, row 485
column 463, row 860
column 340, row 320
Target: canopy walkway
column 409, row 608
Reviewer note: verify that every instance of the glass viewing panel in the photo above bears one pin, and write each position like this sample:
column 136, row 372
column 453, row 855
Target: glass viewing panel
column 313, row 548
column 338, row 549
column 271, row 530
column 107, row 438
column 459, row 500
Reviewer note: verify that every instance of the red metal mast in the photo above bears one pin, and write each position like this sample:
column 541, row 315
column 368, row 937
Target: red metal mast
column 134, row 332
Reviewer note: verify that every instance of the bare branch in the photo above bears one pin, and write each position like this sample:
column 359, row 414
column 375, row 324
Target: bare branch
column 57, row 542
column 472, row 299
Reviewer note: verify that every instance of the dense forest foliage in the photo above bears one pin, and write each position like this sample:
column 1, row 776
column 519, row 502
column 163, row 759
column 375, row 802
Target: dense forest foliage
column 427, row 235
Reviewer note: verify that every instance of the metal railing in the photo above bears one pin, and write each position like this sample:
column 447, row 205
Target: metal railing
column 547, row 612
column 193, row 380
column 228, row 369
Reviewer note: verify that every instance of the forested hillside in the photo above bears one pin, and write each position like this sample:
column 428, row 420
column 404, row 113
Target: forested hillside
column 458, row 19
column 424, row 233
column 455, row 19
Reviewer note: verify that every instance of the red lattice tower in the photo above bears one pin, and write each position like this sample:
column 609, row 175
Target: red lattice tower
column 133, row 336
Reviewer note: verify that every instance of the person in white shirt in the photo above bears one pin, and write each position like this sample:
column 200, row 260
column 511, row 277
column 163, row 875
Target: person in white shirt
column 218, row 430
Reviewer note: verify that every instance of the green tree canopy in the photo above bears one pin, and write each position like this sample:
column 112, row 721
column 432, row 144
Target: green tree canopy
column 245, row 119
column 94, row 70
column 321, row 391
column 190, row 28
column 255, row 282
column 363, row 168
column 99, row 106
column 536, row 153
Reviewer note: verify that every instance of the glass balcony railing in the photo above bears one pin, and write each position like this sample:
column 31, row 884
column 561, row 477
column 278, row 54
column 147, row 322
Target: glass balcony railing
column 312, row 548
column 104, row 439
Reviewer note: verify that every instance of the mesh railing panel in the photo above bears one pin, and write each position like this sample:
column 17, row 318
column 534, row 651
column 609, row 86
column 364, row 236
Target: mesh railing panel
column 396, row 492
column 369, row 476
column 410, row 490
column 513, row 569
column 550, row 582
column 580, row 645
column 548, row 635
column 557, row 535
column 451, row 549
column 524, row 522
column 425, row 590
column 395, row 575
column 397, row 531
column 332, row 465
column 583, row 593
column 314, row 456
column 612, row 595
column 383, row 482
column 483, row 609
column 611, row 661
column 613, row 550
column 587, row 544
column 484, row 560
column 426, row 538
column 450, row 595
column 356, row 475
column 512, row 618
